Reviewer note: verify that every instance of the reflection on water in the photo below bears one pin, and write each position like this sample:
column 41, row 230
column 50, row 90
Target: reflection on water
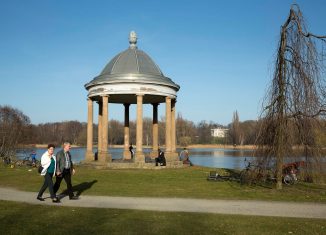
column 210, row 157
column 222, row 152
column 220, row 158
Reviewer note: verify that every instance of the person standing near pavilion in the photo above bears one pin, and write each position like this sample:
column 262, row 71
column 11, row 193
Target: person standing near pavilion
column 65, row 170
column 131, row 150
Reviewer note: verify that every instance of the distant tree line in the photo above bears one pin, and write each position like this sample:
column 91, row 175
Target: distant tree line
column 16, row 128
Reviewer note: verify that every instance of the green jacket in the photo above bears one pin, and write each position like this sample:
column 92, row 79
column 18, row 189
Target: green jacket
column 61, row 161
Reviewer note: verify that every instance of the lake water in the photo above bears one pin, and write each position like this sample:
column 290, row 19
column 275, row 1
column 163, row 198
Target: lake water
column 209, row 157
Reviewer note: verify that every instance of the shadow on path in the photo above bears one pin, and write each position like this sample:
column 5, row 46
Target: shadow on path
column 80, row 188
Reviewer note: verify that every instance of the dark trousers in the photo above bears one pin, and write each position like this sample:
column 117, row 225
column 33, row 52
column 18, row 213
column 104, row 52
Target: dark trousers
column 160, row 160
column 47, row 184
column 67, row 176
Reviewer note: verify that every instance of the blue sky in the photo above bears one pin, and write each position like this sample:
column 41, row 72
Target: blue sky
column 221, row 53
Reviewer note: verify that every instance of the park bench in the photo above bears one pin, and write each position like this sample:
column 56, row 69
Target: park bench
column 213, row 175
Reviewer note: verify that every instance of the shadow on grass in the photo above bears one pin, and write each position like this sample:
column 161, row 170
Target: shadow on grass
column 80, row 188
column 232, row 173
column 235, row 176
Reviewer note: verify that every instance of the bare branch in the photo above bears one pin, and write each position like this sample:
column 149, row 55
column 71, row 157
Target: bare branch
column 296, row 98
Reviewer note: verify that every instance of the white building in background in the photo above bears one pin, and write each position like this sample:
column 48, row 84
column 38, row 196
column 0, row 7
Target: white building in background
column 219, row 132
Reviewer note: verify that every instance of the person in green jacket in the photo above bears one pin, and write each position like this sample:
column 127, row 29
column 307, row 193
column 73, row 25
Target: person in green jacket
column 48, row 162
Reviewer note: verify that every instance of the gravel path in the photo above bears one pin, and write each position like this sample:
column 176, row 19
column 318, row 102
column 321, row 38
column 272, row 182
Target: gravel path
column 240, row 207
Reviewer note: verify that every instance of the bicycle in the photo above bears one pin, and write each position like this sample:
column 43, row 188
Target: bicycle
column 246, row 175
column 290, row 175
column 253, row 174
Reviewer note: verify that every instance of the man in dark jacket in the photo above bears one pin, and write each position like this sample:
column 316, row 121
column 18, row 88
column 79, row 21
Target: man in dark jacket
column 160, row 160
column 65, row 170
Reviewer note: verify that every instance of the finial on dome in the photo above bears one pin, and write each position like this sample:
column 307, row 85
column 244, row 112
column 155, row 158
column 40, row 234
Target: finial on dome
column 133, row 39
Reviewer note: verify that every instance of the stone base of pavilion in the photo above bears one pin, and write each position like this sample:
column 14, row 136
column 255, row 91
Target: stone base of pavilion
column 116, row 164
column 172, row 161
column 140, row 161
column 127, row 164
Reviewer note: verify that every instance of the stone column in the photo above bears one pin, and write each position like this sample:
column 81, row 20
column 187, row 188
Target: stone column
column 89, row 150
column 154, row 152
column 168, row 148
column 126, row 152
column 174, row 155
column 139, row 130
column 99, row 129
column 173, row 127
column 103, row 155
column 105, row 124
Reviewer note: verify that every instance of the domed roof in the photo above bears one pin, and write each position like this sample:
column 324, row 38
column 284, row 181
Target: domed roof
column 132, row 72
column 132, row 61
column 132, row 65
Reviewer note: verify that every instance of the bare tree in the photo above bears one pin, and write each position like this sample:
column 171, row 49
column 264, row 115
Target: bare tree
column 82, row 135
column 204, row 132
column 12, row 125
column 116, row 135
column 235, row 133
column 147, row 131
column 248, row 132
column 67, row 131
column 296, row 98
column 185, row 131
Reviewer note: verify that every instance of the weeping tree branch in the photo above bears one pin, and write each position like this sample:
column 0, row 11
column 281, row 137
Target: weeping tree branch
column 296, row 100
column 296, row 16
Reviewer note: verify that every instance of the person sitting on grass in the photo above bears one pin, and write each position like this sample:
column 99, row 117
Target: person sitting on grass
column 184, row 156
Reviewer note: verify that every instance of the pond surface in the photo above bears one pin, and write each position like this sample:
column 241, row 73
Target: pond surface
column 209, row 157
column 220, row 158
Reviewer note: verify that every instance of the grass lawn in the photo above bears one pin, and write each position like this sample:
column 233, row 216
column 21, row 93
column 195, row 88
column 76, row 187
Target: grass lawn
column 188, row 183
column 22, row 218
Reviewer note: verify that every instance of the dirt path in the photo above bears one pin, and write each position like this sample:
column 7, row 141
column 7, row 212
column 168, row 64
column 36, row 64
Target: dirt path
column 240, row 207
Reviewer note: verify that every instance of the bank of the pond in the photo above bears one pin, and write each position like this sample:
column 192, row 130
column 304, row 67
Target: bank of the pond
column 220, row 146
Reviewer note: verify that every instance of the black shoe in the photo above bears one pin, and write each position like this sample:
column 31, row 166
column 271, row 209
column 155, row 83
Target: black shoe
column 55, row 200
column 40, row 198
column 73, row 198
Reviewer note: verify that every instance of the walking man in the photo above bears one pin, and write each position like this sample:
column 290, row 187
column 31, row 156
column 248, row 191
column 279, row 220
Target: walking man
column 65, row 170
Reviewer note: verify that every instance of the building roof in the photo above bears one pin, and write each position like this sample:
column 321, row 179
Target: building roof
column 133, row 68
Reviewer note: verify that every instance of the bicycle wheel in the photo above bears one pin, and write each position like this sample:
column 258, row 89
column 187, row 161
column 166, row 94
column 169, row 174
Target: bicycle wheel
column 288, row 180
